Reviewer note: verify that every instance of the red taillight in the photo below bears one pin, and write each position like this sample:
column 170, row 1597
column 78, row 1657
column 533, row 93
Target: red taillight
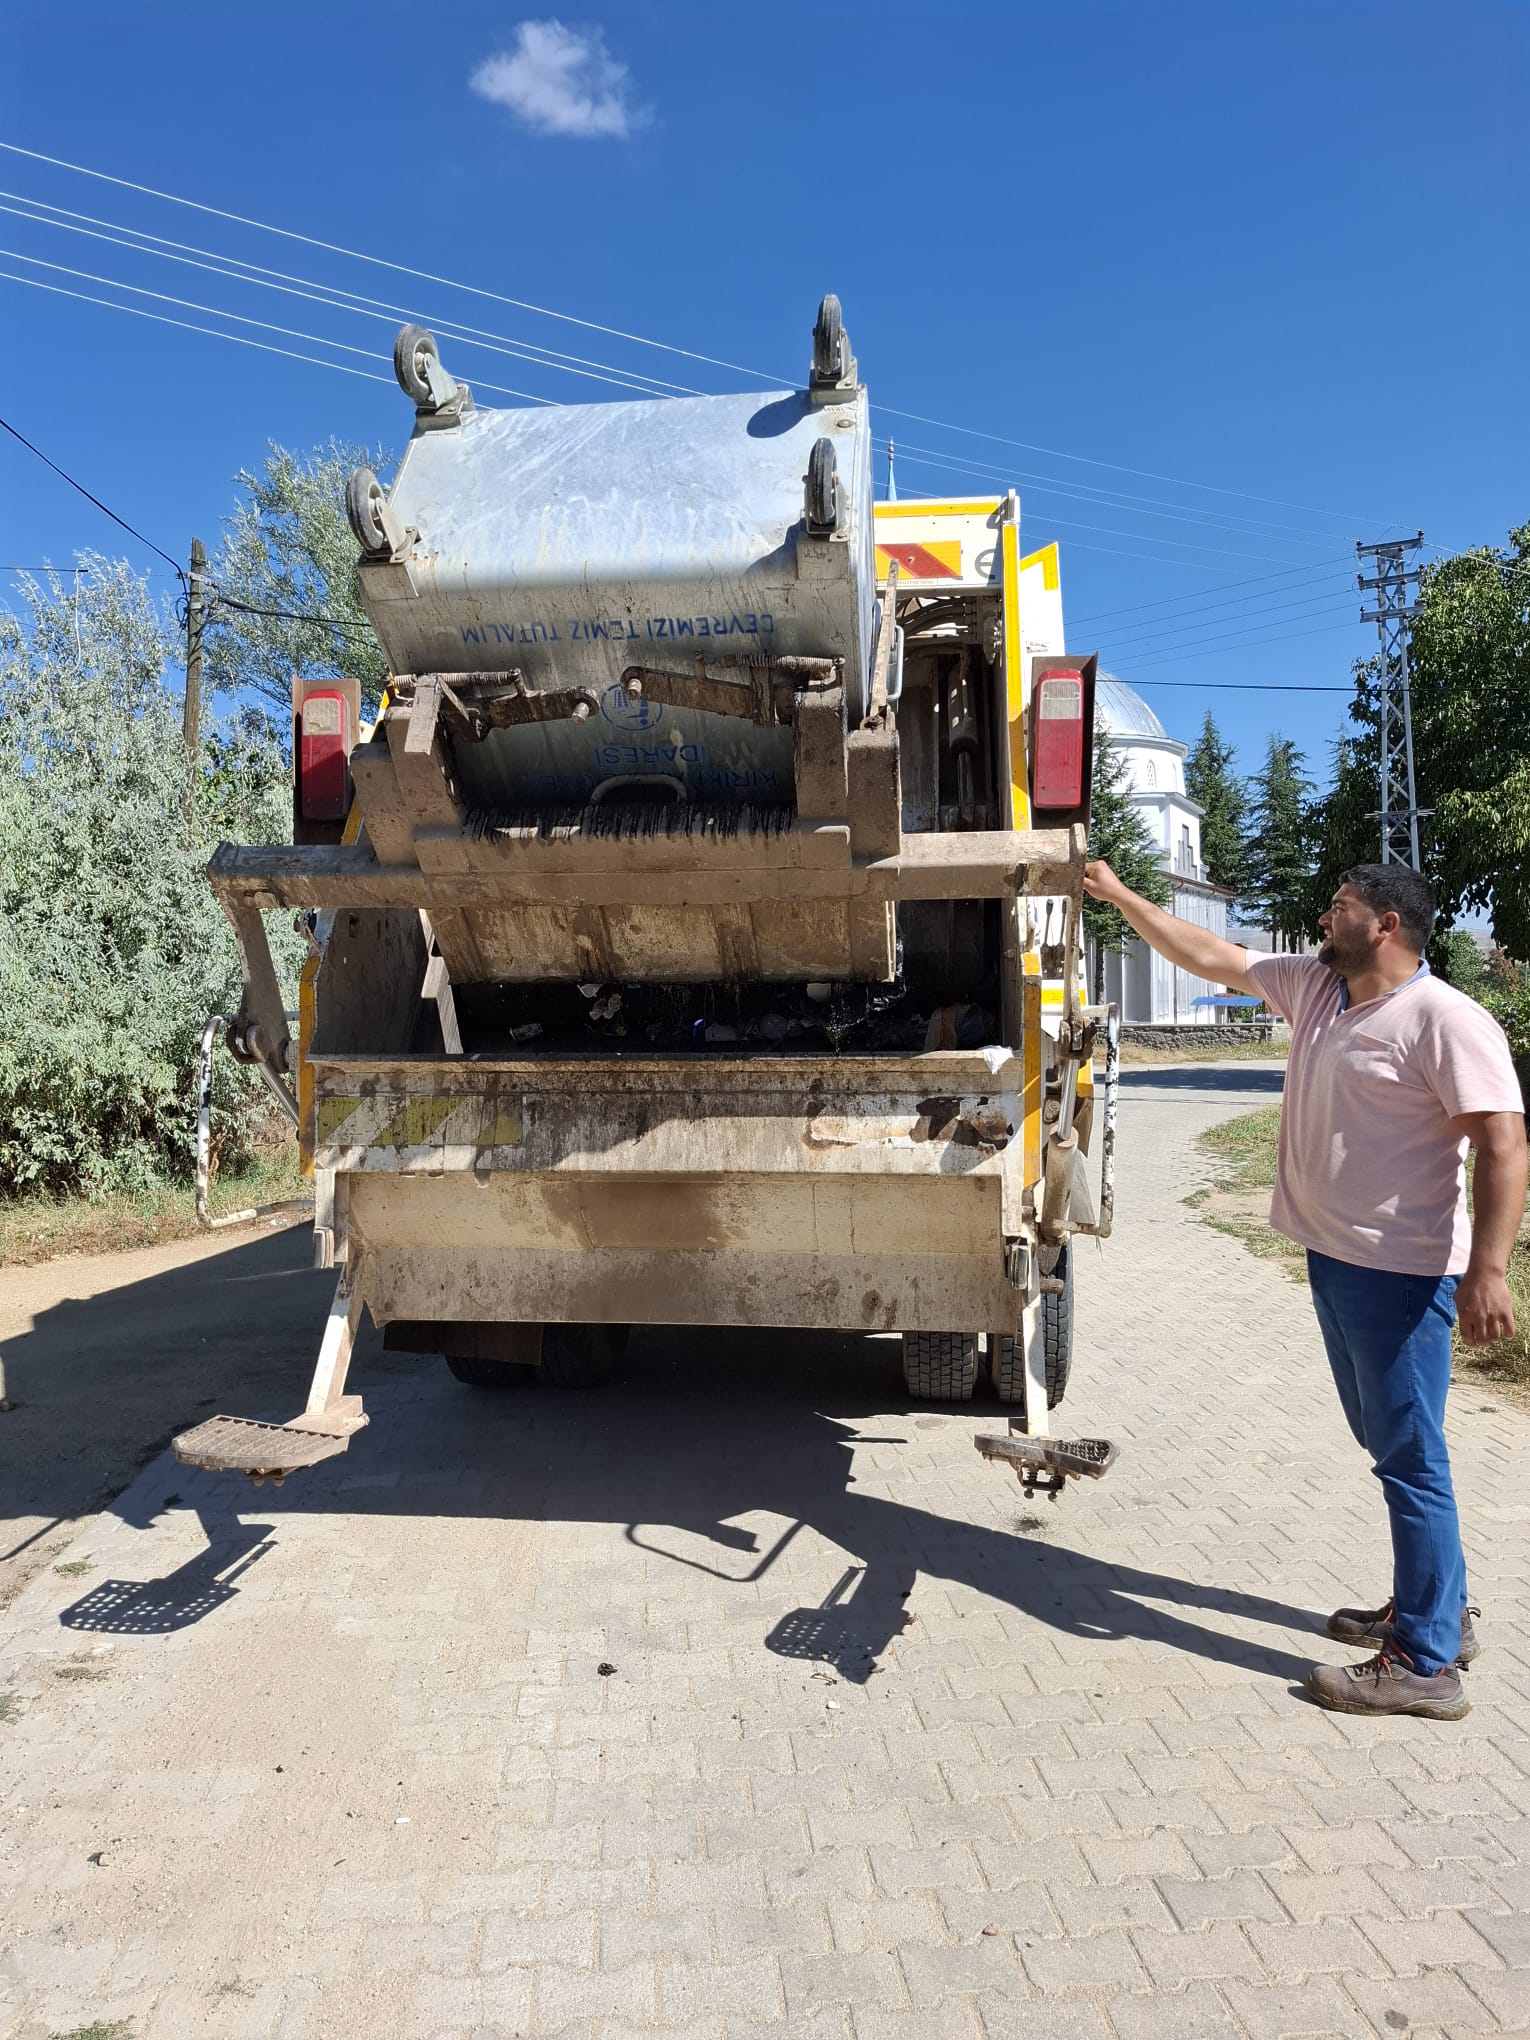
column 325, row 751
column 1057, row 779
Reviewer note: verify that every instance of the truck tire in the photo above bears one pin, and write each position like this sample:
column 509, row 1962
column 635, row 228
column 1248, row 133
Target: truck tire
column 940, row 1366
column 582, row 1356
column 1057, row 1340
column 489, row 1373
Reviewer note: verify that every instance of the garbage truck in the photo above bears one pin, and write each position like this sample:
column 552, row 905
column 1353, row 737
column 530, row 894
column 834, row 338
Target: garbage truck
column 697, row 930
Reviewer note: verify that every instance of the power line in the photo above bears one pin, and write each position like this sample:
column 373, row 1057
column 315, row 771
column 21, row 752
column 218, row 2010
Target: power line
column 382, row 262
column 337, row 299
column 1219, row 652
column 1116, row 467
column 81, row 489
column 319, row 361
column 47, row 569
column 640, row 339
column 1242, row 687
column 1154, row 648
column 1163, row 636
column 1120, row 499
column 217, row 312
column 1171, row 601
column 221, row 601
column 1142, row 537
column 187, row 326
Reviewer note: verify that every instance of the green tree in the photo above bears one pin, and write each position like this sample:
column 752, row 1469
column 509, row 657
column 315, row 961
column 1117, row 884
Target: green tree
column 1219, row 793
column 1470, row 660
column 288, row 549
column 1118, row 833
column 1459, row 960
column 113, row 949
column 1280, row 855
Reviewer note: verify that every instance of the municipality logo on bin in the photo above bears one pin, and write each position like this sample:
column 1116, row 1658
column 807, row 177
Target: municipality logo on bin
column 630, row 711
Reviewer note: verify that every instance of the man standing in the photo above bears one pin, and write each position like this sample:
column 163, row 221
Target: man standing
column 1391, row 1075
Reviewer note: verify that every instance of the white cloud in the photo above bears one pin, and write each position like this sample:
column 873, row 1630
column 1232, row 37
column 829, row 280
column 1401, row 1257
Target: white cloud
column 561, row 81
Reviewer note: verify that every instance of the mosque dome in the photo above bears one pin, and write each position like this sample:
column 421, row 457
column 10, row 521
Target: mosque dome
column 1122, row 711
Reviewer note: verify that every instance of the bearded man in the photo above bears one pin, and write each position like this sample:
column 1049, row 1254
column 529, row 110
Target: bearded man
column 1392, row 1074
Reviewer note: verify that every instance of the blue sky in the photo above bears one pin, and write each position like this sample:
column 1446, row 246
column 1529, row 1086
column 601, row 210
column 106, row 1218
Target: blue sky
column 1247, row 281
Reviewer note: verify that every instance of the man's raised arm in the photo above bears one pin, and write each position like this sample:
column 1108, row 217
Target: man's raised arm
column 1193, row 949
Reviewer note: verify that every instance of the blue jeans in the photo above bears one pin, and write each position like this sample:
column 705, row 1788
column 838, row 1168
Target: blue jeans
column 1388, row 1340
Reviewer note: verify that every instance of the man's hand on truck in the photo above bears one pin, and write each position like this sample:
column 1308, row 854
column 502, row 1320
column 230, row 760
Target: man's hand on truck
column 1196, row 950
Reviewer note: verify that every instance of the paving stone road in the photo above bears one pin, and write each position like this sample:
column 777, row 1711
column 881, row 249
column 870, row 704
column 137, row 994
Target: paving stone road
column 747, row 1700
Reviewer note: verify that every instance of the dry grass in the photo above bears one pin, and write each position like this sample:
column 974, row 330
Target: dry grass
column 1239, row 1204
column 36, row 1229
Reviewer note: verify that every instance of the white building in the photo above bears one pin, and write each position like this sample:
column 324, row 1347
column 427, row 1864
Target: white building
column 1146, row 987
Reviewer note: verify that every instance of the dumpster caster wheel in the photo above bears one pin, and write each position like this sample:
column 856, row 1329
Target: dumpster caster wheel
column 831, row 352
column 821, row 499
column 364, row 509
column 411, row 347
column 940, row 1366
column 582, row 1356
column 490, row 1373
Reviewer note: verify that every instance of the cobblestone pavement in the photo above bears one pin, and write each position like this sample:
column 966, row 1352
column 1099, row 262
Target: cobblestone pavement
column 747, row 1700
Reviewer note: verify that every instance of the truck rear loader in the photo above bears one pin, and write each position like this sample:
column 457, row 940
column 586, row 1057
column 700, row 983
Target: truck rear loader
column 696, row 933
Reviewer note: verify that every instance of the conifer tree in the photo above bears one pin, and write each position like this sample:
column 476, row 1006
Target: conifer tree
column 1118, row 833
column 1280, row 850
column 1223, row 800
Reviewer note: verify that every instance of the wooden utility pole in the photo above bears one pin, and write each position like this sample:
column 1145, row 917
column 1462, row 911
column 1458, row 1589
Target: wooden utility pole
column 192, row 715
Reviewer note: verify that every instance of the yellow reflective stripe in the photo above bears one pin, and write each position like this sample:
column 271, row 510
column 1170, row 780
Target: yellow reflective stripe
column 940, row 508
column 1046, row 559
column 1030, row 1007
column 1014, row 681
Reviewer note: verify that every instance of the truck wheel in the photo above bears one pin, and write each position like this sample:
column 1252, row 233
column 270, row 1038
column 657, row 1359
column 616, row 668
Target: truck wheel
column 489, row 1373
column 940, row 1366
column 582, row 1356
column 1056, row 1337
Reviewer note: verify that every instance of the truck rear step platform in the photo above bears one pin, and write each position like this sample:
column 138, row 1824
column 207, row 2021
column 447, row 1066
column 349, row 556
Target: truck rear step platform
column 267, row 1451
column 1049, row 1463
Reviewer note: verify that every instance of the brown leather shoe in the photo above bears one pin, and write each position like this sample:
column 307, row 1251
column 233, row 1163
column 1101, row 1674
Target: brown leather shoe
column 1371, row 1628
column 1388, row 1684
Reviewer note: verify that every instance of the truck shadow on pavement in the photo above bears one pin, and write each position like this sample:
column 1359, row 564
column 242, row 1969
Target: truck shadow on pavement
column 706, row 1427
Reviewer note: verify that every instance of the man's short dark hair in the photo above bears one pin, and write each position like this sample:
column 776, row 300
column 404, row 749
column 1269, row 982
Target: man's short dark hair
column 1394, row 889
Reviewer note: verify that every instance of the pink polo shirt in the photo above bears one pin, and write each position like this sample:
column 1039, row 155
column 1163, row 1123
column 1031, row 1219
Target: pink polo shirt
column 1371, row 1170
